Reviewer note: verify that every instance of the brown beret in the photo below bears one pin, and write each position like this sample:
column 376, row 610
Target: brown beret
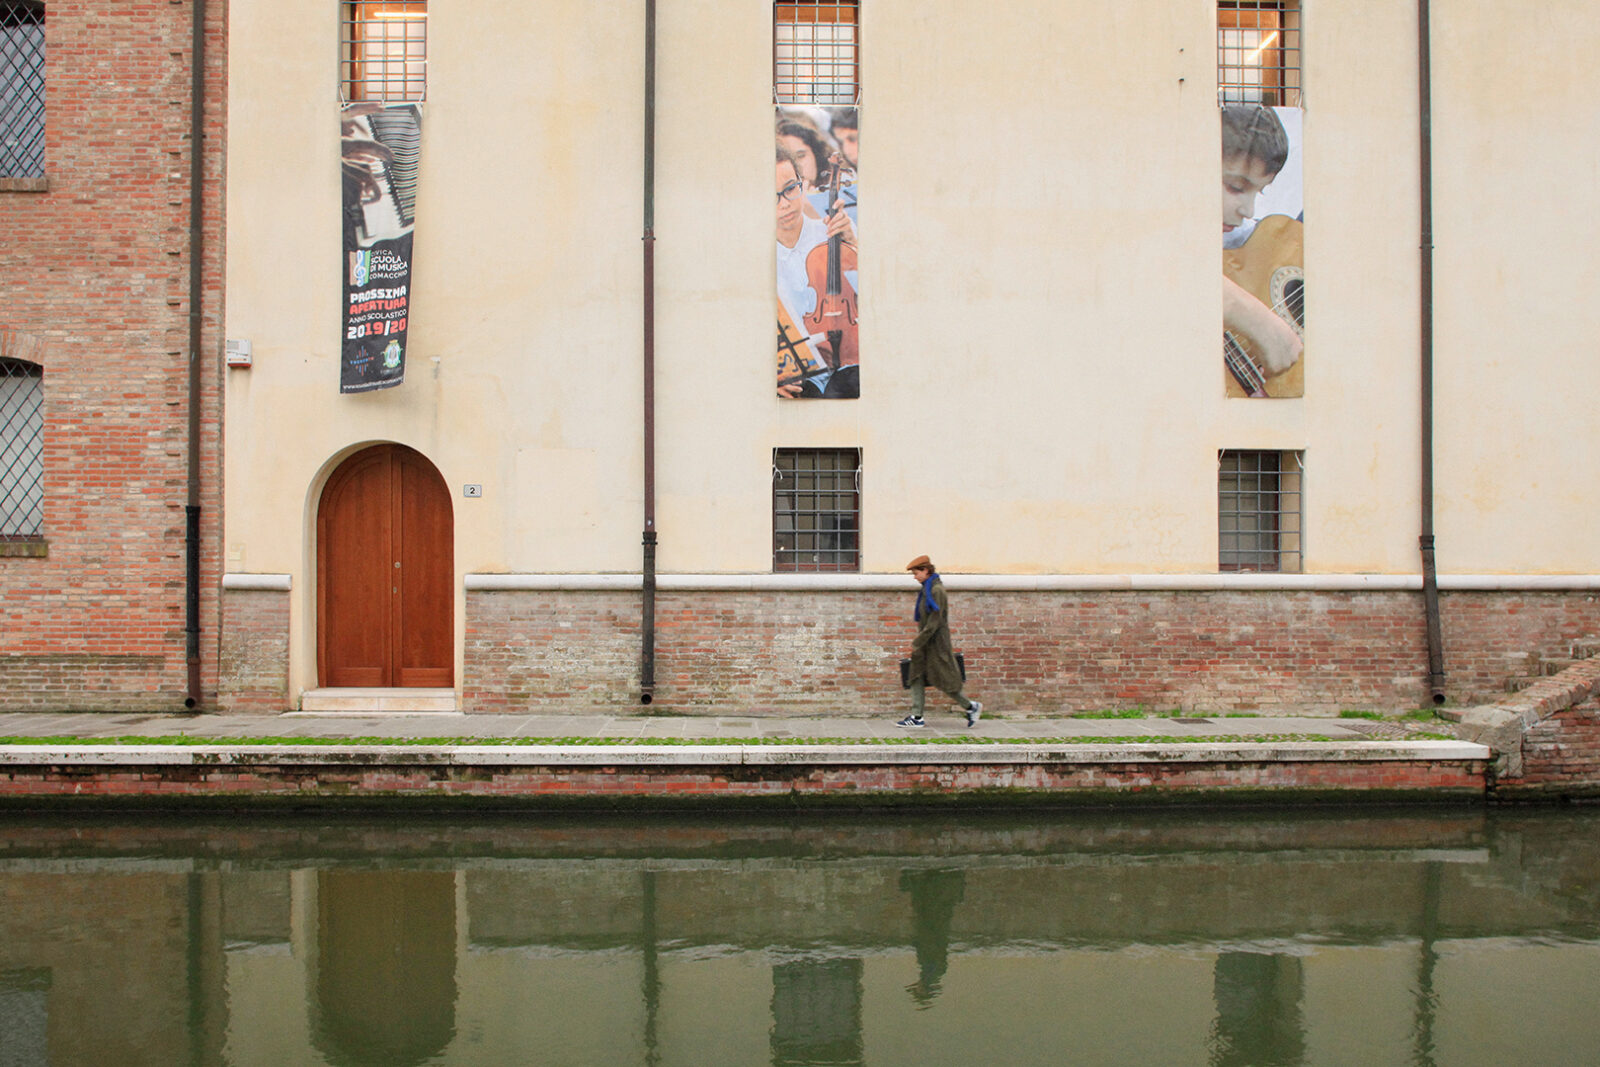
column 920, row 561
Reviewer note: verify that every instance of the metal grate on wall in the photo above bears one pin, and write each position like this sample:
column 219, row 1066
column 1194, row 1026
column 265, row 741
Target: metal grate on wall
column 1260, row 518
column 816, row 54
column 21, row 450
column 21, row 89
column 383, row 50
column 1258, row 53
column 816, row 509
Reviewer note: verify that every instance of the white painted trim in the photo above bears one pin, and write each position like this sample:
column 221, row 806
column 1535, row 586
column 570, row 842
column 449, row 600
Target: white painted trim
column 275, row 583
column 1025, row 583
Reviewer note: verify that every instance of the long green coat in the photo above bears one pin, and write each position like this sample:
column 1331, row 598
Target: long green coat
column 932, row 658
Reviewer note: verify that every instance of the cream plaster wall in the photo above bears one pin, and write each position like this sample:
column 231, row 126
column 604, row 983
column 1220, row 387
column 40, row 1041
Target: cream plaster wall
column 1040, row 291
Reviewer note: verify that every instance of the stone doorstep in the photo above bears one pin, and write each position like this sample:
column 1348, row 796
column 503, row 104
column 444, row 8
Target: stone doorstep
column 378, row 702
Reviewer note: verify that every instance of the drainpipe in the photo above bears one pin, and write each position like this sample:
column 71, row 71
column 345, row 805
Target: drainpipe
column 647, row 658
column 197, row 109
column 1430, row 577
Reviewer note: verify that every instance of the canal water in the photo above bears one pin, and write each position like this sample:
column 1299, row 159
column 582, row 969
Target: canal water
column 1435, row 936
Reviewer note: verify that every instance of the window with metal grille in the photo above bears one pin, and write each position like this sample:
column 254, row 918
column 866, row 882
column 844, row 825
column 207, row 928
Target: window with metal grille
column 383, row 50
column 816, row 509
column 21, row 89
column 1259, row 515
column 816, row 52
column 1258, row 53
column 21, row 451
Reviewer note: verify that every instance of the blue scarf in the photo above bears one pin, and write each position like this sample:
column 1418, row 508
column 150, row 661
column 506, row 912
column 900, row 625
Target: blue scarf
column 926, row 597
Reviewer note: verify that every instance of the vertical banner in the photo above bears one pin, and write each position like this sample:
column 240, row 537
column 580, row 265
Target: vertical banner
column 818, row 153
column 380, row 147
column 1263, row 276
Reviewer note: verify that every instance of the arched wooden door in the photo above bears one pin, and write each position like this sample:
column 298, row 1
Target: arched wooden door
column 385, row 573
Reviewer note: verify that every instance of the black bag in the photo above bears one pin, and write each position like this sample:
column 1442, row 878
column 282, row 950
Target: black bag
column 905, row 670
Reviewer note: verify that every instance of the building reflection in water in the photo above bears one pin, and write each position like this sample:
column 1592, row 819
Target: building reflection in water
column 1258, row 1021
column 816, row 1013
column 385, row 986
column 1200, row 940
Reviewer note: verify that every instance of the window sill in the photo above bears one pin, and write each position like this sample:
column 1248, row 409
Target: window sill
column 39, row 549
column 25, row 185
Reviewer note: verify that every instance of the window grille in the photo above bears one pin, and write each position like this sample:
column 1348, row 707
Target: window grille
column 21, row 451
column 21, row 89
column 1259, row 513
column 816, row 509
column 816, row 52
column 1258, row 53
column 383, row 51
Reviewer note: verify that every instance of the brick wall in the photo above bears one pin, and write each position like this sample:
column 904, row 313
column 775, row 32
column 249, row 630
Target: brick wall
column 94, row 286
column 732, row 785
column 255, row 651
column 1560, row 757
column 755, row 652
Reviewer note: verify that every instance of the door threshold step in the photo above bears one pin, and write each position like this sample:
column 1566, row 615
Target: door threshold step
column 378, row 702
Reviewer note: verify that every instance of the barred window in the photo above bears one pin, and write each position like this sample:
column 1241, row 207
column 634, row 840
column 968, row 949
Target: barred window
column 1259, row 514
column 816, row 509
column 1258, row 52
column 816, row 52
column 383, row 50
column 21, row 89
column 21, row 451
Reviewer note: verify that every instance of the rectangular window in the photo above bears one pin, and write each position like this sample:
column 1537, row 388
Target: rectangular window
column 1258, row 53
column 383, row 51
column 21, row 451
column 816, row 509
column 816, row 52
column 21, row 89
column 1259, row 514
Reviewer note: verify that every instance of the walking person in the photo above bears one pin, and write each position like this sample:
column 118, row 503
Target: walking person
column 932, row 659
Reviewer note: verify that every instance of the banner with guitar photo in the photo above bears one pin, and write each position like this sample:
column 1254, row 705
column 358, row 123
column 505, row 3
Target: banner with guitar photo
column 380, row 148
column 818, row 152
column 1263, row 276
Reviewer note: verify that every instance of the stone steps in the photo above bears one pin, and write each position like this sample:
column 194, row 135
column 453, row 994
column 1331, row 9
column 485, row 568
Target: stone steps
column 379, row 702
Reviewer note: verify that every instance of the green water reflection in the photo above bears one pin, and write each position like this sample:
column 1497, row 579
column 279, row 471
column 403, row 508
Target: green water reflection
column 1434, row 937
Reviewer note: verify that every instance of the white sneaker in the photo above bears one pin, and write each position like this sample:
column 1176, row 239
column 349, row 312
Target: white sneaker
column 974, row 713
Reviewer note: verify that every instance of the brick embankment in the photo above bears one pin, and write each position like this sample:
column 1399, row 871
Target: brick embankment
column 1546, row 738
column 742, row 776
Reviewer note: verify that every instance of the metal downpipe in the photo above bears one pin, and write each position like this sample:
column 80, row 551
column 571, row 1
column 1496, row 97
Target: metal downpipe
column 197, row 114
column 647, row 627
column 1430, row 577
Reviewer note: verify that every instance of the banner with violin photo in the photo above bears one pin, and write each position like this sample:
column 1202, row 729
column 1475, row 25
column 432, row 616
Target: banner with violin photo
column 380, row 149
column 1263, row 276
column 818, row 152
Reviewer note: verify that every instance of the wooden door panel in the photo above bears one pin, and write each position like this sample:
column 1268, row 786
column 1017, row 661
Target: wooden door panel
column 385, row 573
column 425, row 652
column 354, row 531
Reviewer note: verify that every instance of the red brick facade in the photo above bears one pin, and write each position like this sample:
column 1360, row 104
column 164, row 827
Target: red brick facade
column 94, row 286
column 749, row 652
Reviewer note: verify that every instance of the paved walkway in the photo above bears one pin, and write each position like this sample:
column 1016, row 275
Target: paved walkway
column 723, row 728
